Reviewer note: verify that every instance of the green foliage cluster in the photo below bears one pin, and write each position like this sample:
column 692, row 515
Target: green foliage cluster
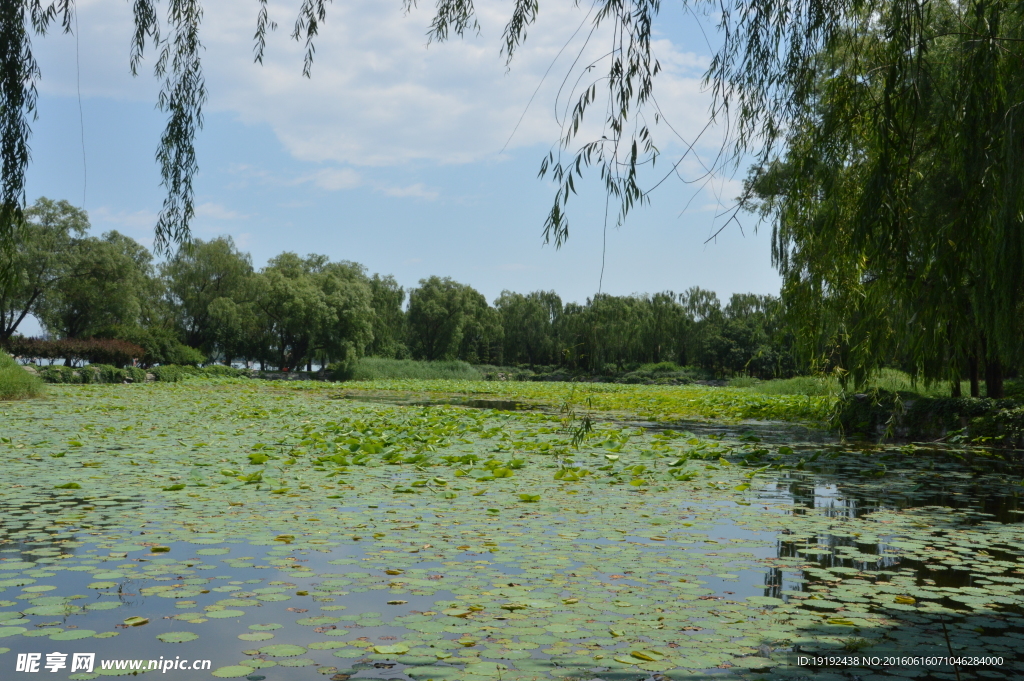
column 378, row 368
column 895, row 194
column 167, row 373
column 92, row 373
column 170, row 373
column 207, row 302
column 892, row 380
column 661, row 373
column 448, row 320
column 159, row 345
column 880, row 412
column 615, row 335
column 15, row 382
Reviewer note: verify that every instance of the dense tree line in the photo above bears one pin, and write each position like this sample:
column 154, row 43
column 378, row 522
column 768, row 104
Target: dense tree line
column 208, row 303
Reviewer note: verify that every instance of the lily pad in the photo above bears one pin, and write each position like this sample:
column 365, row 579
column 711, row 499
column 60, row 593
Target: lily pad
column 73, row 635
column 224, row 614
column 395, row 649
column 177, row 636
column 283, row 650
column 232, row 671
column 317, row 621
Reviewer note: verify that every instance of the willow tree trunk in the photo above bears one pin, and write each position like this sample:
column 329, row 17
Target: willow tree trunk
column 972, row 370
column 994, row 379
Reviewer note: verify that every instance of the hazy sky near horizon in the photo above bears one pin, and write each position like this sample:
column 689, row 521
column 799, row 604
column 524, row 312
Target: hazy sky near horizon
column 396, row 154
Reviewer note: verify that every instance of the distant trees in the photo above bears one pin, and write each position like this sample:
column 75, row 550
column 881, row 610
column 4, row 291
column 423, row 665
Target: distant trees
column 199, row 276
column 39, row 260
column 311, row 308
column 105, row 284
column 389, row 330
column 609, row 333
column 531, row 325
column 207, row 302
column 449, row 320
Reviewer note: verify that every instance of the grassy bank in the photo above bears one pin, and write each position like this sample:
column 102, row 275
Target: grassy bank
column 890, row 380
column 381, row 369
column 15, row 382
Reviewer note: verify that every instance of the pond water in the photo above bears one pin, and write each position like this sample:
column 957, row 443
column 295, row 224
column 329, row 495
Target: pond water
column 767, row 544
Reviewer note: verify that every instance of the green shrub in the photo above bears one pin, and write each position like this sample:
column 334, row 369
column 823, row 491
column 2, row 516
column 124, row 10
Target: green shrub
column 379, row 368
column 15, row 382
column 183, row 355
column 56, row 373
column 890, row 380
column 660, row 373
column 159, row 345
column 173, row 373
column 341, row 371
column 880, row 412
column 104, row 373
column 91, row 373
column 169, row 373
column 799, row 385
column 662, row 368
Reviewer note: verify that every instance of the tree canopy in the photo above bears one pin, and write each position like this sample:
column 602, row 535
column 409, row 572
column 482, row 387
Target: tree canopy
column 897, row 201
column 39, row 260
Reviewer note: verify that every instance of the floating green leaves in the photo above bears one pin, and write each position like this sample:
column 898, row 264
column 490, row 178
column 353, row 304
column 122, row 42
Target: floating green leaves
column 317, row 621
column 394, row 649
column 283, row 650
column 224, row 614
column 177, row 636
column 655, row 550
column 236, row 671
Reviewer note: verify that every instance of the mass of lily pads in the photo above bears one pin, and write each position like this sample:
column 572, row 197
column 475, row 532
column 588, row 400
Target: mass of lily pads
column 483, row 531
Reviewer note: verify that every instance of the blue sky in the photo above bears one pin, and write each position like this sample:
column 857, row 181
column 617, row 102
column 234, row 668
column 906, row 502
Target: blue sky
column 391, row 155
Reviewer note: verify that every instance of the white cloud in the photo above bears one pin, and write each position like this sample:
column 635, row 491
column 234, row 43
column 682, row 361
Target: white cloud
column 379, row 96
column 331, row 179
column 217, row 211
column 414, row 190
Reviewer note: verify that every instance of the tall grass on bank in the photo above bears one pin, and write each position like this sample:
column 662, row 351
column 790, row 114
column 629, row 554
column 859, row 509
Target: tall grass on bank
column 15, row 382
column 379, row 369
column 892, row 380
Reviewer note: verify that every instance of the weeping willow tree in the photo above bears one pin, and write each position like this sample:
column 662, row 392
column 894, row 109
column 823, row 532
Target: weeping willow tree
column 891, row 125
column 897, row 202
